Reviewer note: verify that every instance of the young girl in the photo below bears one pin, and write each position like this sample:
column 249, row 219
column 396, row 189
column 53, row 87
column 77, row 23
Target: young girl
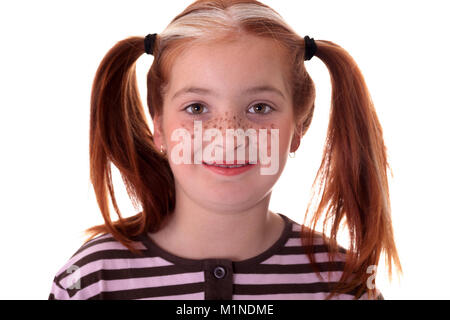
column 205, row 230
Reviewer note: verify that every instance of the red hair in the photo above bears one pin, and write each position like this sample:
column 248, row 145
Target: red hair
column 352, row 178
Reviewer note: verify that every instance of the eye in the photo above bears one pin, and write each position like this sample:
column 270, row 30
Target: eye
column 260, row 108
column 196, row 108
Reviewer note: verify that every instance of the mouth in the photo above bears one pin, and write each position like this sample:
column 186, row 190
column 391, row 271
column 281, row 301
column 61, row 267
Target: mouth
column 228, row 169
column 228, row 165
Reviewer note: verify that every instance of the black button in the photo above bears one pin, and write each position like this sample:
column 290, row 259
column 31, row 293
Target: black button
column 219, row 272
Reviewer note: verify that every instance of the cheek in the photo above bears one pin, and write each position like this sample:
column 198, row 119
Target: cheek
column 285, row 136
column 175, row 129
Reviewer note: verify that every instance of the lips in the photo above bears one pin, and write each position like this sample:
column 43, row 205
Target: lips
column 233, row 163
column 228, row 169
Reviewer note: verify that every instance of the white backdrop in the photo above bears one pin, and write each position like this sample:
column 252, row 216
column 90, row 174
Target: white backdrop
column 50, row 51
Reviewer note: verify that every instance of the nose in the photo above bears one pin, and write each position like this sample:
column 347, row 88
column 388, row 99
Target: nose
column 233, row 142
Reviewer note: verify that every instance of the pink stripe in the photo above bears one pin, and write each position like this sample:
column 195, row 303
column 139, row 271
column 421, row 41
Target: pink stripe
column 297, row 242
column 276, row 278
column 136, row 283
column 98, row 247
column 58, row 292
column 112, row 264
column 102, row 237
column 189, row 296
column 286, row 259
column 291, row 296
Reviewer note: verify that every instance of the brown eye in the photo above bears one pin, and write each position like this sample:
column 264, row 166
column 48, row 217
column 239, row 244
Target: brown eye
column 261, row 108
column 196, row 108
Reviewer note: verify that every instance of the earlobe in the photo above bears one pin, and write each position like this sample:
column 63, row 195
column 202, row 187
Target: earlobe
column 295, row 143
column 296, row 139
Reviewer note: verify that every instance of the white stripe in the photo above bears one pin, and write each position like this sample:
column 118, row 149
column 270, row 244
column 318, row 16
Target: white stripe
column 59, row 293
column 137, row 283
column 297, row 242
column 292, row 296
column 281, row 278
column 289, row 259
column 115, row 245
column 111, row 264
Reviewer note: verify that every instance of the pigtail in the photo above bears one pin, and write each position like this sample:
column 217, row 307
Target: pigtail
column 353, row 175
column 119, row 134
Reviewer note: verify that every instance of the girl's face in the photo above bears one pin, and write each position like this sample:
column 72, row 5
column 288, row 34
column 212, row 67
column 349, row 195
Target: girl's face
column 222, row 75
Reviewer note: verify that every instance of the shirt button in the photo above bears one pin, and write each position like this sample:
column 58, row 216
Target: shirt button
column 219, row 272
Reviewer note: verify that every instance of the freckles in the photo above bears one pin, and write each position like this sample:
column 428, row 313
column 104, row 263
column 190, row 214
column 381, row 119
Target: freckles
column 190, row 131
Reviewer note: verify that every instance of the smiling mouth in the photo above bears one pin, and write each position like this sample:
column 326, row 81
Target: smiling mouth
column 230, row 166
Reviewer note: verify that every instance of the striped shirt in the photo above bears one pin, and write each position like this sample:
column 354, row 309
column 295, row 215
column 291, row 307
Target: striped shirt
column 103, row 268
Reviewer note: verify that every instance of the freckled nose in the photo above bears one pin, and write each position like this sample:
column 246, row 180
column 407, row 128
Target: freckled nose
column 230, row 120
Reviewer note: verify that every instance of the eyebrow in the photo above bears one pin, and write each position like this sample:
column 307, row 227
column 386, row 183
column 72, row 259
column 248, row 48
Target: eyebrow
column 252, row 90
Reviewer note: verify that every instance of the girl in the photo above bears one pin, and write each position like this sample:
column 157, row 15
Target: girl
column 224, row 69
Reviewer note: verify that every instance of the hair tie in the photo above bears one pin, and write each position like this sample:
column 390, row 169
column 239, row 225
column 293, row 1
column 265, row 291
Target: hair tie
column 149, row 43
column 310, row 48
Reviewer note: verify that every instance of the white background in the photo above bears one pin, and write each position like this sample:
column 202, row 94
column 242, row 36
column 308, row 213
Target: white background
column 50, row 51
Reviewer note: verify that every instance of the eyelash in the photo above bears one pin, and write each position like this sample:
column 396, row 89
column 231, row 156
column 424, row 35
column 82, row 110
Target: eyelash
column 256, row 104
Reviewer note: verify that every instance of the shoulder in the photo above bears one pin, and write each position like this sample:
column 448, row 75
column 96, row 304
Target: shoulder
column 299, row 234
column 329, row 262
column 82, row 275
column 298, row 247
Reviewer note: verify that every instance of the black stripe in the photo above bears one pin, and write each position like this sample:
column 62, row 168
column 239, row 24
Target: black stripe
column 303, row 234
column 303, row 249
column 298, row 234
column 150, row 292
column 302, row 238
column 291, row 268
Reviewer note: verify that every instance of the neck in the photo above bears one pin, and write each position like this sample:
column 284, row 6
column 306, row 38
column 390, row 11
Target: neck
column 195, row 232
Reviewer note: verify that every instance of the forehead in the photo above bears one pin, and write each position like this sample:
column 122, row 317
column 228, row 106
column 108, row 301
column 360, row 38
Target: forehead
column 231, row 66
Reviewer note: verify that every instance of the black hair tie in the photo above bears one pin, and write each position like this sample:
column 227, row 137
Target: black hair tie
column 149, row 43
column 310, row 48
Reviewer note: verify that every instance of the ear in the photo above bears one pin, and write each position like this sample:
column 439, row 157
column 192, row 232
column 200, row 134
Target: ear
column 158, row 136
column 298, row 133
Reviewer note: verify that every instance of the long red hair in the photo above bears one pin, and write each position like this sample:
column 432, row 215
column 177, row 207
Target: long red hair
column 351, row 186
